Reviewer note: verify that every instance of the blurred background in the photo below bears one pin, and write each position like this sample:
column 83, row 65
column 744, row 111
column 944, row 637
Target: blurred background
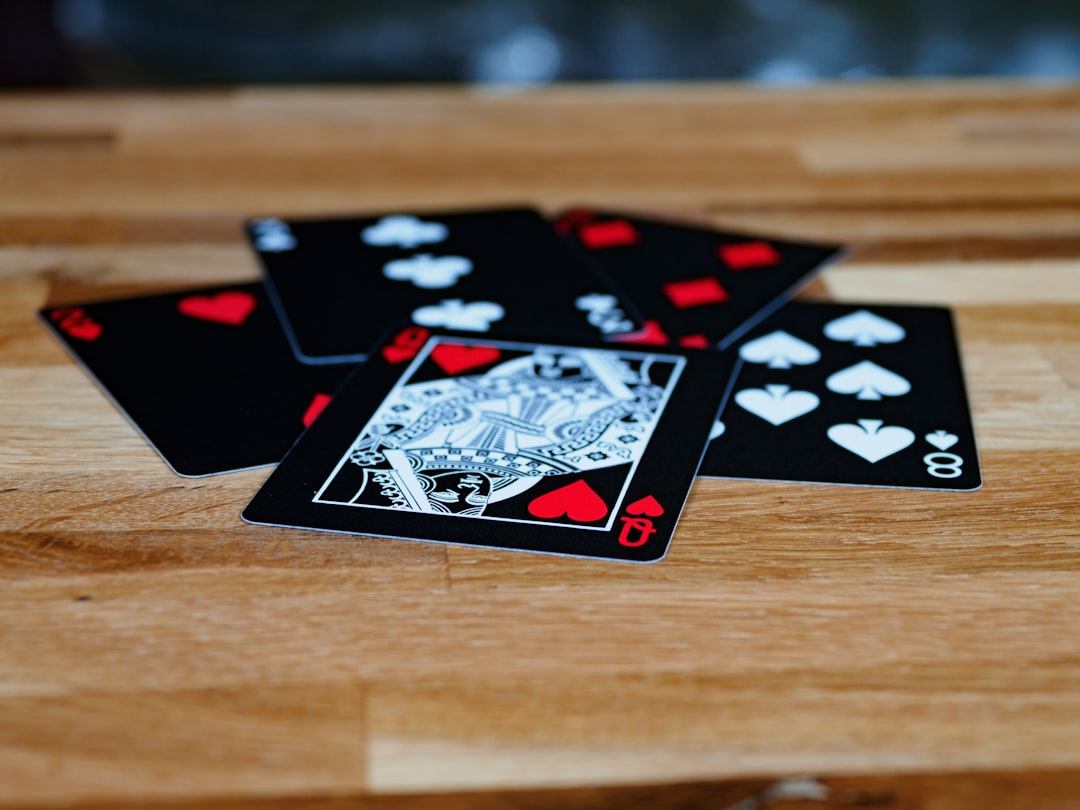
column 130, row 43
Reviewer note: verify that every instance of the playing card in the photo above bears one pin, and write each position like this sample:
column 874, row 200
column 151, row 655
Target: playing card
column 694, row 286
column 566, row 449
column 340, row 284
column 848, row 394
column 205, row 375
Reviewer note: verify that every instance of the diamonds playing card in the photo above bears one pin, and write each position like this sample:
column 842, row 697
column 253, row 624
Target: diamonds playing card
column 340, row 284
column 205, row 375
column 696, row 287
column 565, row 449
column 848, row 394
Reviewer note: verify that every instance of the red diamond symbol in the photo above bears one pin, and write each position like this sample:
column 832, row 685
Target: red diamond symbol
column 694, row 341
column 695, row 292
column 650, row 335
column 614, row 233
column 571, row 219
column 743, row 255
column 317, row 406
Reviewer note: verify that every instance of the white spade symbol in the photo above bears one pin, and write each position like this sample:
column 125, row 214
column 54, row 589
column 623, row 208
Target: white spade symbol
column 941, row 439
column 779, row 350
column 868, row 380
column 776, row 404
column 864, row 328
column 870, row 440
column 718, row 429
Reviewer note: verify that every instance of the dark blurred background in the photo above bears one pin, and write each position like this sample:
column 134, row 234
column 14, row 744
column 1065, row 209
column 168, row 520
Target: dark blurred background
column 191, row 42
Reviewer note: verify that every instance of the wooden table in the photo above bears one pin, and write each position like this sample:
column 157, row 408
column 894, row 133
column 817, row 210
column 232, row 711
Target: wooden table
column 891, row 648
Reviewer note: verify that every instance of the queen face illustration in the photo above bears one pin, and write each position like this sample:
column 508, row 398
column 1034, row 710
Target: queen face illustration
column 455, row 444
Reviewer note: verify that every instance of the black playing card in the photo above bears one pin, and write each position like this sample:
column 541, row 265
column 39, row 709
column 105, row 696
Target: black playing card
column 205, row 375
column 848, row 394
column 563, row 449
column 694, row 286
column 340, row 284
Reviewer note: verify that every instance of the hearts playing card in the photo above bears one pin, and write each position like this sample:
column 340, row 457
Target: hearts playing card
column 339, row 285
column 694, row 286
column 558, row 448
column 848, row 394
column 205, row 375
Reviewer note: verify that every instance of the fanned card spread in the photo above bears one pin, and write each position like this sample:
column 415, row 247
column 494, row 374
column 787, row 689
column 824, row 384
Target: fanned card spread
column 490, row 378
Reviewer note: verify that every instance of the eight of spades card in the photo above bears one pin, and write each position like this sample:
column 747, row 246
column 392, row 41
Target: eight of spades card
column 848, row 394
column 339, row 285
column 565, row 449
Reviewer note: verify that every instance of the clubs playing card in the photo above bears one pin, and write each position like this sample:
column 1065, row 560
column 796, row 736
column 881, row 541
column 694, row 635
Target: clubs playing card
column 339, row 285
column 563, row 449
column 205, row 375
column 848, row 394
column 695, row 287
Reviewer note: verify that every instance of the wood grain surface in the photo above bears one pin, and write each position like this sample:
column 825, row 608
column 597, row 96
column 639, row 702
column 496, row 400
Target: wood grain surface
column 801, row 647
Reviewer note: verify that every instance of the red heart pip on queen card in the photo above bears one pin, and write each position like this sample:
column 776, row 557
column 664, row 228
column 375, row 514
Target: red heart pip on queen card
column 645, row 506
column 577, row 501
column 231, row 307
column 454, row 358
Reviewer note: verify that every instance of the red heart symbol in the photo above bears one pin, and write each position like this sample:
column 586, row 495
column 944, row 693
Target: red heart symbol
column 578, row 501
column 453, row 358
column 231, row 307
column 645, row 506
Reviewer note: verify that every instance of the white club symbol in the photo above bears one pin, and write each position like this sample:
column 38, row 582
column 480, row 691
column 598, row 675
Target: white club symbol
column 453, row 313
column 427, row 271
column 403, row 230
